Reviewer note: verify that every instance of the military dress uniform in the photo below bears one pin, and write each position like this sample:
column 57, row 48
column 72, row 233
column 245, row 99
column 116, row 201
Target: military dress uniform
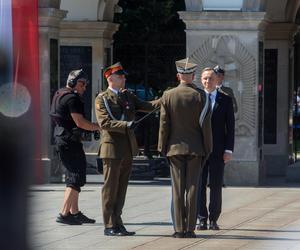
column 226, row 90
column 185, row 138
column 117, row 147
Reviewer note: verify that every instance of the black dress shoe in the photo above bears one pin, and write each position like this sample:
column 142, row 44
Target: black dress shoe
column 213, row 225
column 190, row 234
column 121, row 231
column 202, row 225
column 110, row 231
column 178, row 235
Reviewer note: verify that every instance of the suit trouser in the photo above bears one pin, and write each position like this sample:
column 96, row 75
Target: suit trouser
column 116, row 174
column 214, row 168
column 185, row 172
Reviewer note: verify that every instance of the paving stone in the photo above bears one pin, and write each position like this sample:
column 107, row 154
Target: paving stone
column 252, row 218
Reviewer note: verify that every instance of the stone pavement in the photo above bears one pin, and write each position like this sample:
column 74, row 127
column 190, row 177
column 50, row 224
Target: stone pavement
column 252, row 218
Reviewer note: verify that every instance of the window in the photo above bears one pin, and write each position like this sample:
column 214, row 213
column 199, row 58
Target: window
column 221, row 5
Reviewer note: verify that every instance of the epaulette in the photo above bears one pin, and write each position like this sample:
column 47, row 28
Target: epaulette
column 103, row 93
column 222, row 91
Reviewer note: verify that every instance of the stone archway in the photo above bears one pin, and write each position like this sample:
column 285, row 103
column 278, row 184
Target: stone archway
column 291, row 10
column 106, row 10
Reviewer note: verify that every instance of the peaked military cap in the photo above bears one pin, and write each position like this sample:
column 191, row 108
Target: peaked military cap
column 114, row 69
column 185, row 67
column 219, row 70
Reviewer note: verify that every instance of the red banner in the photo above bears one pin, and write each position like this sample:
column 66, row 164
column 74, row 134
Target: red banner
column 25, row 31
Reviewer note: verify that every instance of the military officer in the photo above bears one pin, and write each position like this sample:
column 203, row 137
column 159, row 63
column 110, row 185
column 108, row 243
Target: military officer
column 115, row 112
column 225, row 90
column 185, row 138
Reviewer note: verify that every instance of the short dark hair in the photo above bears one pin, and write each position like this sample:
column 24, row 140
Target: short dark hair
column 208, row 69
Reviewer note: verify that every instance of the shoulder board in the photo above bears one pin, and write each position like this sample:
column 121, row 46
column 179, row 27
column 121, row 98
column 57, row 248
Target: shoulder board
column 104, row 93
column 222, row 91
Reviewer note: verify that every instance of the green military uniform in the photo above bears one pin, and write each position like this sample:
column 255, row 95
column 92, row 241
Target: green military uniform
column 228, row 91
column 185, row 138
column 117, row 146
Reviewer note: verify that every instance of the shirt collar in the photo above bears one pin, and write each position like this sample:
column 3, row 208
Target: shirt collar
column 113, row 90
column 213, row 93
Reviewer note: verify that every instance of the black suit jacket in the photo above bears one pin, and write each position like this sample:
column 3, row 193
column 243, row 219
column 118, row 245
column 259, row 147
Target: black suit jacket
column 222, row 123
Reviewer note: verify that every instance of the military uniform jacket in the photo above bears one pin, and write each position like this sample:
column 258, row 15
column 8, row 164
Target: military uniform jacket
column 180, row 132
column 117, row 141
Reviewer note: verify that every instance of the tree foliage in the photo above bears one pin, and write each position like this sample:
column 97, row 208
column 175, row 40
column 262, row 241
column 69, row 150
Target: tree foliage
column 150, row 21
column 150, row 38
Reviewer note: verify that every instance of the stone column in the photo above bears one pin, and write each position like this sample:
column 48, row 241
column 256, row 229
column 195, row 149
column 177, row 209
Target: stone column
column 231, row 39
column 280, row 36
column 49, row 21
column 98, row 35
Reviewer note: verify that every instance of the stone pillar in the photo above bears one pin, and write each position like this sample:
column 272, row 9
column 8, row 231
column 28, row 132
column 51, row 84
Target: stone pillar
column 231, row 39
column 49, row 21
column 98, row 35
column 280, row 36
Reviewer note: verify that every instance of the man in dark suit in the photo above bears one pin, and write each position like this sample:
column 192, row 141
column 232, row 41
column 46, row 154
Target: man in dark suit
column 115, row 112
column 222, row 124
column 185, row 138
column 225, row 90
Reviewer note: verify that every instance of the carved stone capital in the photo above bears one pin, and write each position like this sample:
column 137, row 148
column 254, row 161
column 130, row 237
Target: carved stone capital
column 215, row 20
column 51, row 17
column 72, row 29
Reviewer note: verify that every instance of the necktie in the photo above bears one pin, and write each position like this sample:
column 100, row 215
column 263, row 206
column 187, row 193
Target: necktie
column 209, row 101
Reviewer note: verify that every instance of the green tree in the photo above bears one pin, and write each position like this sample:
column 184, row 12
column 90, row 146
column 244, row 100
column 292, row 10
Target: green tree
column 150, row 38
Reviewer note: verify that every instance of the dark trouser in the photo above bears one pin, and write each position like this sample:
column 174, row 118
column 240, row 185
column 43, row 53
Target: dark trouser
column 185, row 172
column 73, row 159
column 214, row 168
column 116, row 174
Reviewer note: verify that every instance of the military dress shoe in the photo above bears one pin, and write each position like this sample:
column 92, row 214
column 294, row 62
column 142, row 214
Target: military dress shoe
column 84, row 219
column 178, row 235
column 110, row 231
column 121, row 231
column 190, row 234
column 68, row 219
column 213, row 225
column 202, row 225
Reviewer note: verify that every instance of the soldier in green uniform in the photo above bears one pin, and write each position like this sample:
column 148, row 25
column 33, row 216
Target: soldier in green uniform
column 185, row 138
column 115, row 112
column 225, row 90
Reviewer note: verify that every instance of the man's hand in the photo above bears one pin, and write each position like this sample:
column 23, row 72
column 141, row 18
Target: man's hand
column 227, row 157
column 132, row 124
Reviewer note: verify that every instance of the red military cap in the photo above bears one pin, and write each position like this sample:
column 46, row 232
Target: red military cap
column 114, row 69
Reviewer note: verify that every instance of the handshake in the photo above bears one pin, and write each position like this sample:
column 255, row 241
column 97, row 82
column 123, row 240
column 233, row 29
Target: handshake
column 96, row 134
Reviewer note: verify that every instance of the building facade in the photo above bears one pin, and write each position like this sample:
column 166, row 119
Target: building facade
column 255, row 41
